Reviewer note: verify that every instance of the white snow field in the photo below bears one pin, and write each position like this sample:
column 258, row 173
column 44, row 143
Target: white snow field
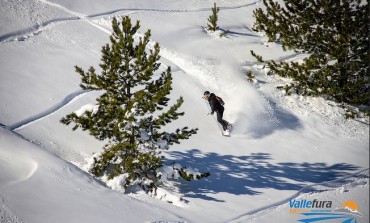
column 282, row 149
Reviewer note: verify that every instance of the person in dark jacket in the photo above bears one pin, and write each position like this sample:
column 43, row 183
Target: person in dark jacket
column 216, row 105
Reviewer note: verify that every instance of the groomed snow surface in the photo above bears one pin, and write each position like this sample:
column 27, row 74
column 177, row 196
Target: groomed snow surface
column 282, row 148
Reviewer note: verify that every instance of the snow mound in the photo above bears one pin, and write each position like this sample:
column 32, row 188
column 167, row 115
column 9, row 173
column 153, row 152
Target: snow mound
column 87, row 108
column 14, row 168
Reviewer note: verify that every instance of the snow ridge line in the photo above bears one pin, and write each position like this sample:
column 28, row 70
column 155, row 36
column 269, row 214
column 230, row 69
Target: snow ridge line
column 35, row 118
column 305, row 189
column 78, row 16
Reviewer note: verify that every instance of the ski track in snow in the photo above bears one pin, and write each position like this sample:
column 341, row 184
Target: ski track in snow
column 19, row 125
column 309, row 188
column 38, row 28
column 33, row 30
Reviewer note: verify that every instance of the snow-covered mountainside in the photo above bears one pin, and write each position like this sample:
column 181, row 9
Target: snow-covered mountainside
column 283, row 149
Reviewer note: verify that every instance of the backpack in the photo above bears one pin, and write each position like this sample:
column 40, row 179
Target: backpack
column 220, row 100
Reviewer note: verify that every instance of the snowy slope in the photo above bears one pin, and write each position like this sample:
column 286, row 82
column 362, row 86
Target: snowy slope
column 280, row 144
column 37, row 186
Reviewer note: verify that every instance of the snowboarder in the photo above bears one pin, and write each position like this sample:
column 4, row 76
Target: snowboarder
column 216, row 104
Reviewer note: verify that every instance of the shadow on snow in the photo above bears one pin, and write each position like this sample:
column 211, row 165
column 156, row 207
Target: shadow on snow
column 278, row 119
column 251, row 174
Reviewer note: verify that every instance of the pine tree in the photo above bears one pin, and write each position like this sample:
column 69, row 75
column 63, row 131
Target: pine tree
column 131, row 93
column 333, row 33
column 212, row 19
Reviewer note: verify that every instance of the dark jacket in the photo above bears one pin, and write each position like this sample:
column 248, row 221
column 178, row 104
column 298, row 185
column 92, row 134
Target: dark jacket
column 215, row 104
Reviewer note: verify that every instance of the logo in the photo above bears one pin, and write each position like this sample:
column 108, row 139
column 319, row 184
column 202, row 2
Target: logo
column 321, row 210
column 310, row 204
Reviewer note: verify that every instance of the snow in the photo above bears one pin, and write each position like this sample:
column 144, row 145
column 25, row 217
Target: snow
column 87, row 108
column 117, row 183
column 281, row 147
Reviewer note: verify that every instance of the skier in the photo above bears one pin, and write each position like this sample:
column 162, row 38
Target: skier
column 216, row 104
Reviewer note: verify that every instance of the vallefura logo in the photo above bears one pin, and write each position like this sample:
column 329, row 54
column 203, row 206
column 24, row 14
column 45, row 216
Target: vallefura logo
column 321, row 210
column 302, row 206
column 310, row 204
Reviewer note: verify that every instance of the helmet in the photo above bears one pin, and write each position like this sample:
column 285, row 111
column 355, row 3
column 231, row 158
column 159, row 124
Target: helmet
column 206, row 95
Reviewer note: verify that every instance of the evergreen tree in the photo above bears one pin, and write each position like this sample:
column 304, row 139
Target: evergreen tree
column 212, row 19
column 131, row 93
column 333, row 33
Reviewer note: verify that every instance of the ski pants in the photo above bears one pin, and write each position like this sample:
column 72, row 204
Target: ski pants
column 224, row 123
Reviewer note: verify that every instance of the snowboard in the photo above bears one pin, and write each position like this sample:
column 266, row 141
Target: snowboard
column 227, row 132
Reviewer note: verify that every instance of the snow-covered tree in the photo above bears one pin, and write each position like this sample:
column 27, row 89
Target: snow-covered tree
column 335, row 36
column 132, row 109
column 213, row 18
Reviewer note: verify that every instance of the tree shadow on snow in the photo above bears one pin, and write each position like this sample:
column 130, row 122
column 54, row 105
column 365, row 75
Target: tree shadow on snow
column 252, row 174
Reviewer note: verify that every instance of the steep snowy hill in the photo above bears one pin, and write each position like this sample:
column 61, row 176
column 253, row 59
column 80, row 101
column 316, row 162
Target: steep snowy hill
column 282, row 147
column 37, row 186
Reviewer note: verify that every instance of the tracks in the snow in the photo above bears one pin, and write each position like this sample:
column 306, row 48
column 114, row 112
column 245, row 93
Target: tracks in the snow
column 38, row 28
column 47, row 112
